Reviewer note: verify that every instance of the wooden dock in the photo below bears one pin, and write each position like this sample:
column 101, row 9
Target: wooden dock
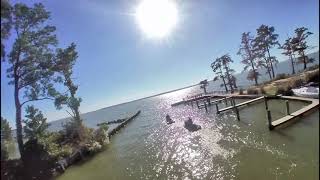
column 241, row 104
column 288, row 118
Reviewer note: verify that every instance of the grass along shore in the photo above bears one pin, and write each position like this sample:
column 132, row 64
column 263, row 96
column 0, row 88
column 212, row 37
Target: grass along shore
column 284, row 83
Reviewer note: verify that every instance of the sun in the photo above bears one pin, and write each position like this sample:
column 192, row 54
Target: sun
column 157, row 18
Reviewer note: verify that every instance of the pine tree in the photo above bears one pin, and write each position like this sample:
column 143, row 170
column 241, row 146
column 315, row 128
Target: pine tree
column 249, row 57
column 31, row 59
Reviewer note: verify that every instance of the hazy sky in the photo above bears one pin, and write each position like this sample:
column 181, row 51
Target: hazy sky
column 118, row 63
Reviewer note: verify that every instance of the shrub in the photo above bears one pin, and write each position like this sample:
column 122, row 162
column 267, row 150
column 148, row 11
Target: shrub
column 281, row 76
column 262, row 91
column 101, row 136
column 285, row 91
column 293, row 83
column 240, row 91
column 4, row 152
column 76, row 133
column 313, row 67
column 312, row 76
column 52, row 146
column 252, row 91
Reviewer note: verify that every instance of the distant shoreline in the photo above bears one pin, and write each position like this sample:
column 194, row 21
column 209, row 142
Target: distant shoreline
column 147, row 97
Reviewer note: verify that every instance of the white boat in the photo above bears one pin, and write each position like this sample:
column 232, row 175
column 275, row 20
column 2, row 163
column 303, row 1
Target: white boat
column 308, row 92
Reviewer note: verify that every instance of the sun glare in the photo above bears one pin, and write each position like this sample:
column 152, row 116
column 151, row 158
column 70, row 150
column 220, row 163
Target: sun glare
column 157, row 18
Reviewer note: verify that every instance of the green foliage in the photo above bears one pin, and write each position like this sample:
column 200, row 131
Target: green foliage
column 262, row 91
column 281, row 76
column 4, row 152
column 35, row 124
column 253, row 74
column 203, row 85
column 249, row 57
column 101, row 135
column 5, row 130
column 217, row 69
column 31, row 58
column 294, row 82
column 285, row 91
column 5, row 23
column 314, row 67
column 252, row 91
column 56, row 151
column 76, row 133
column 312, row 76
column 240, row 91
column 288, row 51
column 299, row 44
column 264, row 41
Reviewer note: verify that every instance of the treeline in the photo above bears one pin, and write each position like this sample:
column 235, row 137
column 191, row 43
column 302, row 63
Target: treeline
column 255, row 51
column 36, row 67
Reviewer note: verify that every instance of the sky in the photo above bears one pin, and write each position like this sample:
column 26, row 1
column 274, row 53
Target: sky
column 118, row 62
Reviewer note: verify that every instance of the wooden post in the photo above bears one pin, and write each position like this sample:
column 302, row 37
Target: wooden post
column 205, row 106
column 235, row 109
column 197, row 104
column 208, row 100
column 287, row 107
column 191, row 103
column 225, row 101
column 237, row 113
column 266, row 102
column 217, row 108
column 269, row 120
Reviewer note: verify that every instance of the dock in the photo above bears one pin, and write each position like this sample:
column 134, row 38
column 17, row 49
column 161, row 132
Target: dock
column 314, row 103
column 241, row 104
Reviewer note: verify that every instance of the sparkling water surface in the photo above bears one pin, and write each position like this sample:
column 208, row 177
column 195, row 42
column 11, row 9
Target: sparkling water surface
column 148, row 148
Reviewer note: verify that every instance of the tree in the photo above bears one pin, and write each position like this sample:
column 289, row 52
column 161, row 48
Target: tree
column 5, row 23
column 35, row 124
column 226, row 60
column 249, row 56
column 288, row 51
column 31, row 59
column 6, row 134
column 265, row 40
column 217, row 68
column 66, row 59
column 299, row 44
column 203, row 85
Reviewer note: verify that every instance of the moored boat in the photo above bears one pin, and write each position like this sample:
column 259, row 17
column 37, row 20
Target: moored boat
column 308, row 92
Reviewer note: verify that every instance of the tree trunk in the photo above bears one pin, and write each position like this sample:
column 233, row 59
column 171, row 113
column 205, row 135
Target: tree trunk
column 271, row 65
column 254, row 71
column 268, row 67
column 229, row 80
column 204, row 89
column 224, row 82
column 304, row 61
column 18, row 118
column 292, row 64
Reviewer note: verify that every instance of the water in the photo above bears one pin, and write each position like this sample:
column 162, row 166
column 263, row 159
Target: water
column 148, row 148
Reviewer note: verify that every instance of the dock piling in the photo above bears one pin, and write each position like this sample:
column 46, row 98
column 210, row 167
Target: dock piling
column 205, row 106
column 269, row 119
column 287, row 107
column 236, row 110
column 266, row 102
column 208, row 100
column 197, row 104
column 217, row 108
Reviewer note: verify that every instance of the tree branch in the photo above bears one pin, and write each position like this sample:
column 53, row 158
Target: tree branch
column 39, row 99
